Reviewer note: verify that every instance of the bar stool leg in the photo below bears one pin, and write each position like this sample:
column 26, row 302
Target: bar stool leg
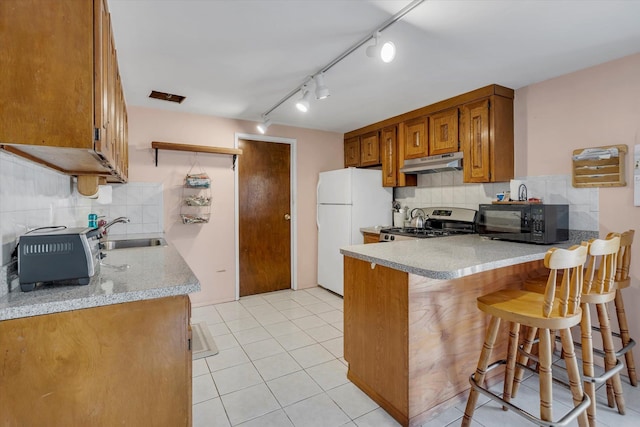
column 624, row 335
column 587, row 362
column 610, row 358
column 527, row 345
column 512, row 351
column 481, row 370
column 546, row 397
column 573, row 372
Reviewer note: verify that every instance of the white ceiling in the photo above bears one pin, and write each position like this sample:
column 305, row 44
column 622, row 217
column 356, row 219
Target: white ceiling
column 237, row 58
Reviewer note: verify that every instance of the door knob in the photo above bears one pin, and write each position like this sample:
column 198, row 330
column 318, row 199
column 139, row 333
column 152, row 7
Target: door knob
column 287, row 217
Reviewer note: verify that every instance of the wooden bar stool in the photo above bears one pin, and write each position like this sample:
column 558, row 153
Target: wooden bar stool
column 544, row 312
column 623, row 281
column 598, row 289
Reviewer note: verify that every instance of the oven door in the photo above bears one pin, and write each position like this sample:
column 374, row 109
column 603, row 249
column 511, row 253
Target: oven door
column 508, row 222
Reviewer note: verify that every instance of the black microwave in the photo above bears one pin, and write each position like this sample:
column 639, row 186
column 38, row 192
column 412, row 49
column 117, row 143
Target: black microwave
column 528, row 223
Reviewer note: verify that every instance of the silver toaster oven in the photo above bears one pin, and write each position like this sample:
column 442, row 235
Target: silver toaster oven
column 61, row 254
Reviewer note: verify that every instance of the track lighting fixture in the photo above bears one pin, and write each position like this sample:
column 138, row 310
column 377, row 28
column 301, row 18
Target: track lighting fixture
column 322, row 91
column 262, row 127
column 303, row 103
column 386, row 51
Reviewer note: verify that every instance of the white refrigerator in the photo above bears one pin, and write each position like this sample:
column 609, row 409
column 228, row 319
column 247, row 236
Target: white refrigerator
column 348, row 199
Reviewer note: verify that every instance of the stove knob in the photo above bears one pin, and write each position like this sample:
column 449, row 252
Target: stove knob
column 392, row 237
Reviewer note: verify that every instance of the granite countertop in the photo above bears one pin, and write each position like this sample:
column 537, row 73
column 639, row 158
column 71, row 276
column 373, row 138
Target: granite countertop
column 125, row 275
column 453, row 257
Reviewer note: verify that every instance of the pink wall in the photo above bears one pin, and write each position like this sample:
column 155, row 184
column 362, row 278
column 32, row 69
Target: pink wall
column 209, row 248
column 592, row 107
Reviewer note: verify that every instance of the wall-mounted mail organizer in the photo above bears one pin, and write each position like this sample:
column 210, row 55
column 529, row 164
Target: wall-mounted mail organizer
column 599, row 166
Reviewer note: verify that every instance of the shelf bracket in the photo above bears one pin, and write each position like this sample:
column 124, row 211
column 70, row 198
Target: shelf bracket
column 156, row 157
column 235, row 157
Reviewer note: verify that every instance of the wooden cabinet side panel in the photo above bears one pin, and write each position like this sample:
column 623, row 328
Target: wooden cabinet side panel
column 502, row 140
column 47, row 88
column 114, row 365
column 375, row 335
column 446, row 331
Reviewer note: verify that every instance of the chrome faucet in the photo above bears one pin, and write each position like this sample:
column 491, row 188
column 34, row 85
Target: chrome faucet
column 120, row 219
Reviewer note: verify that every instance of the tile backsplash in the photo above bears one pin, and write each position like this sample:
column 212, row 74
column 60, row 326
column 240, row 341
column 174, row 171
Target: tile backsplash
column 33, row 196
column 447, row 189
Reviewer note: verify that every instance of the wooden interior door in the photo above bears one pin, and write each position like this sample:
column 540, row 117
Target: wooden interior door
column 264, row 190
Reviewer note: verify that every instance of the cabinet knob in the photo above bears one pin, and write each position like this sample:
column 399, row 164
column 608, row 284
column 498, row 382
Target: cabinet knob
column 287, row 217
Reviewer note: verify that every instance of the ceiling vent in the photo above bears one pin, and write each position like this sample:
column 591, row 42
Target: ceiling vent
column 163, row 96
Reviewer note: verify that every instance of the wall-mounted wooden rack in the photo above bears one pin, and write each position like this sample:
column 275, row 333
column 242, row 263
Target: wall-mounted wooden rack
column 235, row 152
column 599, row 166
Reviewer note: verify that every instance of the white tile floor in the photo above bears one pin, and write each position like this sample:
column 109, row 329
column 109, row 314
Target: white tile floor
column 281, row 364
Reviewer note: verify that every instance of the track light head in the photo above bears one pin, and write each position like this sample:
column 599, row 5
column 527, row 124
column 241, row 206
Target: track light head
column 322, row 91
column 303, row 103
column 386, row 51
column 262, row 127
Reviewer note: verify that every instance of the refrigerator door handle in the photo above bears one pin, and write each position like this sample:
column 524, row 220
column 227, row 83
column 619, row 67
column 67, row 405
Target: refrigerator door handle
column 318, row 202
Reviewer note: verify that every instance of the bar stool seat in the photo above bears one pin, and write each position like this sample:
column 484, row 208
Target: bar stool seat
column 544, row 312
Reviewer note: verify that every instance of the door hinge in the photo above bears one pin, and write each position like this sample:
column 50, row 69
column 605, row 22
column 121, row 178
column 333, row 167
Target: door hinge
column 96, row 134
column 189, row 343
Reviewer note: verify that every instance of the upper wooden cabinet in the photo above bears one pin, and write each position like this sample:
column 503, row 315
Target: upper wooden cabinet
column 443, row 132
column 352, row 152
column 479, row 123
column 67, row 108
column 486, row 136
column 369, row 149
column 415, row 138
column 392, row 160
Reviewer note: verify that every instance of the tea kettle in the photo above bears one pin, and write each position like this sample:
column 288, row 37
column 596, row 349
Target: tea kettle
column 417, row 218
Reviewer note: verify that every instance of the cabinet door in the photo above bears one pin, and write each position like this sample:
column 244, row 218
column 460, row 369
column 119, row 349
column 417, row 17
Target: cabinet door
column 389, row 159
column 443, row 132
column 475, row 138
column 415, row 138
column 369, row 149
column 121, row 364
column 352, row 152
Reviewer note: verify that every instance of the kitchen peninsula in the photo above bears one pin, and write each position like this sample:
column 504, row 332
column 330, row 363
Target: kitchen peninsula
column 413, row 332
column 116, row 351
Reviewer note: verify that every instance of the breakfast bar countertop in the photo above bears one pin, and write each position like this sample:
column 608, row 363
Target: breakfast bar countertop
column 455, row 256
column 125, row 275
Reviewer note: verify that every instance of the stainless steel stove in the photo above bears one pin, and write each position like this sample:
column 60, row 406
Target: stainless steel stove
column 439, row 222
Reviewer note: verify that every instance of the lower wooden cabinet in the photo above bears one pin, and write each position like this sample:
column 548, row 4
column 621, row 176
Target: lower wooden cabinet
column 371, row 237
column 122, row 364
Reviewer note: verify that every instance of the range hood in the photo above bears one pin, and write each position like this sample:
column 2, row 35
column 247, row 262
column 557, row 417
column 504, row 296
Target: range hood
column 433, row 164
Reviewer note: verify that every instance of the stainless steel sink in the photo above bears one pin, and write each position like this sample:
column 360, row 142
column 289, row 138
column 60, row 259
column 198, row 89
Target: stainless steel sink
column 110, row 245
